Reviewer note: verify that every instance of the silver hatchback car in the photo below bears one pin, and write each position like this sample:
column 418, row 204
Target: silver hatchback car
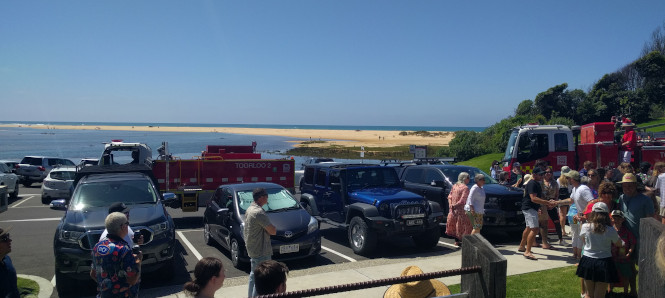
column 58, row 184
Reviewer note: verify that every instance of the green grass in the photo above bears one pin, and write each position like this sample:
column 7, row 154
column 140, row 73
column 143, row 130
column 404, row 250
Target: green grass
column 483, row 162
column 558, row 282
column 652, row 122
column 27, row 287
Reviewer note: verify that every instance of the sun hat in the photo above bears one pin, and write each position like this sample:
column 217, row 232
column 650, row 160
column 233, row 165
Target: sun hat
column 575, row 175
column 617, row 213
column 565, row 169
column 600, row 207
column 417, row 289
column 118, row 207
column 627, row 124
column 527, row 178
column 628, row 178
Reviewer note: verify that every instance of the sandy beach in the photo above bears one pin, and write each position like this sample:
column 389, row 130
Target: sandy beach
column 348, row 138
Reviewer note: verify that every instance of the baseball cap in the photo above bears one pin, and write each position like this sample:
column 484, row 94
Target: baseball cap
column 575, row 175
column 600, row 207
column 516, row 164
column 565, row 169
column 118, row 207
column 617, row 213
column 538, row 171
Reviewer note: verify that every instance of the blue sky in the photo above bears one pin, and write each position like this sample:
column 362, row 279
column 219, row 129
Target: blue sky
column 420, row 63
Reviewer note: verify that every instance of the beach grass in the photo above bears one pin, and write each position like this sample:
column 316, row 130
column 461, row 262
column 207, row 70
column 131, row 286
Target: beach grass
column 557, row 282
column 483, row 162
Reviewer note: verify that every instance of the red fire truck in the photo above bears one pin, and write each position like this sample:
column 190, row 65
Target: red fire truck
column 195, row 180
column 561, row 146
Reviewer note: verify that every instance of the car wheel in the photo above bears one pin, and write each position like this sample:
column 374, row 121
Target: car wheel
column 206, row 234
column 14, row 195
column 46, row 200
column 428, row 239
column 361, row 238
column 27, row 183
column 235, row 254
column 64, row 285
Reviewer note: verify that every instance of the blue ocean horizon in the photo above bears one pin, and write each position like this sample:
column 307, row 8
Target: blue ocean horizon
column 277, row 126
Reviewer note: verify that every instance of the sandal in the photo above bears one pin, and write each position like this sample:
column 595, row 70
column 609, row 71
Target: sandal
column 550, row 248
column 521, row 250
column 531, row 257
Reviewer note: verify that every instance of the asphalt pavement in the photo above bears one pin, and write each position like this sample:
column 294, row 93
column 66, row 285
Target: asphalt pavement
column 34, row 226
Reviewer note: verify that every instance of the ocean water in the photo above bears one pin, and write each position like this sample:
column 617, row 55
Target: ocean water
column 279, row 126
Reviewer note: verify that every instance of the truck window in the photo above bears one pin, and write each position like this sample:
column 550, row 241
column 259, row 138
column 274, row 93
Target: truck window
column 308, row 176
column 334, row 177
column 560, row 142
column 433, row 175
column 532, row 146
column 414, row 176
column 321, row 178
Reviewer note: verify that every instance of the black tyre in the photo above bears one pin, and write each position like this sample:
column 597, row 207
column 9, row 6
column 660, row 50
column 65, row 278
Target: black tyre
column 14, row 195
column 206, row 234
column 236, row 251
column 428, row 239
column 27, row 183
column 64, row 285
column 46, row 200
column 361, row 239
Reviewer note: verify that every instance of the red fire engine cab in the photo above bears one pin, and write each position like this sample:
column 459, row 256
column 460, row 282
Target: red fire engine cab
column 561, row 146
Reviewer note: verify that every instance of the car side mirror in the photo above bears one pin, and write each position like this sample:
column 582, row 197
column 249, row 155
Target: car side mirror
column 169, row 199
column 224, row 214
column 59, row 204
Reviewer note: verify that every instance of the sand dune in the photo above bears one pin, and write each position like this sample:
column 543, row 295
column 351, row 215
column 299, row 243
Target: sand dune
column 370, row 138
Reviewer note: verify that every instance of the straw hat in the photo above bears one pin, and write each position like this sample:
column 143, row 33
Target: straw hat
column 565, row 169
column 627, row 124
column 628, row 178
column 417, row 289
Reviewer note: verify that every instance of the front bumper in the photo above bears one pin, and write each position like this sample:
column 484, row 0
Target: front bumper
column 388, row 227
column 308, row 245
column 48, row 192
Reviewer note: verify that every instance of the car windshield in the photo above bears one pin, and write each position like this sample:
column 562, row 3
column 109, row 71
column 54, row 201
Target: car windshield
column 278, row 199
column 103, row 194
column 63, row 175
column 372, row 177
column 453, row 172
column 33, row 161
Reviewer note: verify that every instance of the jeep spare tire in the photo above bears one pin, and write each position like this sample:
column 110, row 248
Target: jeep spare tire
column 361, row 239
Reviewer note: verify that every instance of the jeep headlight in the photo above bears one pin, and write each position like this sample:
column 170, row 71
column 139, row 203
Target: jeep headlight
column 160, row 227
column 313, row 225
column 70, row 236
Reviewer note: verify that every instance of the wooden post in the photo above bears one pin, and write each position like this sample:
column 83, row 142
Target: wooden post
column 491, row 281
column 651, row 284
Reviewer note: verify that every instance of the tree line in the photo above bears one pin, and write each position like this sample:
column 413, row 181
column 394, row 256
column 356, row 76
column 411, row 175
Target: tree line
column 636, row 90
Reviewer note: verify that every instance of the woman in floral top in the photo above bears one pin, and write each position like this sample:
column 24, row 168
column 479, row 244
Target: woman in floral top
column 458, row 223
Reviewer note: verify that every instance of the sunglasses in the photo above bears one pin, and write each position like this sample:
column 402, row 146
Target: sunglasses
column 5, row 238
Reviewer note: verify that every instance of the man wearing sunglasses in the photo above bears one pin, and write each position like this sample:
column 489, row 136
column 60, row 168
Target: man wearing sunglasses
column 8, row 285
column 129, row 238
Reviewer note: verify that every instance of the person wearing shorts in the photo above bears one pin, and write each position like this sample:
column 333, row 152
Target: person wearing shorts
column 533, row 198
column 475, row 204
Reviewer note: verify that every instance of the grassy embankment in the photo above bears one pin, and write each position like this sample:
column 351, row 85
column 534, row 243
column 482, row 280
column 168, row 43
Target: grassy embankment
column 652, row 122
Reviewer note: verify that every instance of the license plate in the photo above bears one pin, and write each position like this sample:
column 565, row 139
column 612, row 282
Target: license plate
column 285, row 249
column 414, row 222
column 520, row 212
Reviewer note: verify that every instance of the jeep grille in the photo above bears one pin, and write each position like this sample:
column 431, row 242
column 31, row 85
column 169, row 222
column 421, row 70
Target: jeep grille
column 410, row 211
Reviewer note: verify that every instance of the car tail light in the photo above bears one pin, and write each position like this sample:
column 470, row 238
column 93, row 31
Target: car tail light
column 41, row 169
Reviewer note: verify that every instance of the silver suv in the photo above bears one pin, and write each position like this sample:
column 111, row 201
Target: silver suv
column 35, row 168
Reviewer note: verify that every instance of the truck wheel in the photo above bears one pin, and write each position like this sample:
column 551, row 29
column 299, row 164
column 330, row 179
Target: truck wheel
column 428, row 239
column 64, row 285
column 14, row 195
column 361, row 238
column 206, row 234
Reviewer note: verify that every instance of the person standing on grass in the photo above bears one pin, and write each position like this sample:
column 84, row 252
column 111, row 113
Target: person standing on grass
column 208, row 278
column 533, row 198
column 458, row 224
column 551, row 193
column 596, row 266
column 621, row 252
column 580, row 196
column 475, row 204
column 258, row 229
column 8, row 278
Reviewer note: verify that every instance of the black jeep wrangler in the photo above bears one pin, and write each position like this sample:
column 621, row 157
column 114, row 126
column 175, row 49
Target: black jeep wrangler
column 95, row 189
column 370, row 202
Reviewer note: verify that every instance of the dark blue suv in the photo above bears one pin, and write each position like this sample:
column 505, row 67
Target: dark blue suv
column 370, row 202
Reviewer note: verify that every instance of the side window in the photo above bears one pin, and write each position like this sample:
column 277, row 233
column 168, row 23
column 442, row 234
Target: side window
column 52, row 161
column 414, row 175
column 560, row 142
column 321, row 177
column 308, row 176
column 334, row 177
column 217, row 197
column 226, row 199
column 433, row 175
column 532, row 146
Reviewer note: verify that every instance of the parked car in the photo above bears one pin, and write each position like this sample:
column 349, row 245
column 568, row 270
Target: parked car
column 57, row 184
column 298, row 234
column 35, row 168
column 95, row 189
column 9, row 179
column 11, row 164
column 88, row 162
column 369, row 202
column 503, row 204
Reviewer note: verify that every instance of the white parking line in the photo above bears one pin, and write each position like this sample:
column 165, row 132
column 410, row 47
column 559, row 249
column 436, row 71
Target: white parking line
column 339, row 254
column 191, row 230
column 34, row 219
column 189, row 245
column 21, row 202
column 448, row 245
